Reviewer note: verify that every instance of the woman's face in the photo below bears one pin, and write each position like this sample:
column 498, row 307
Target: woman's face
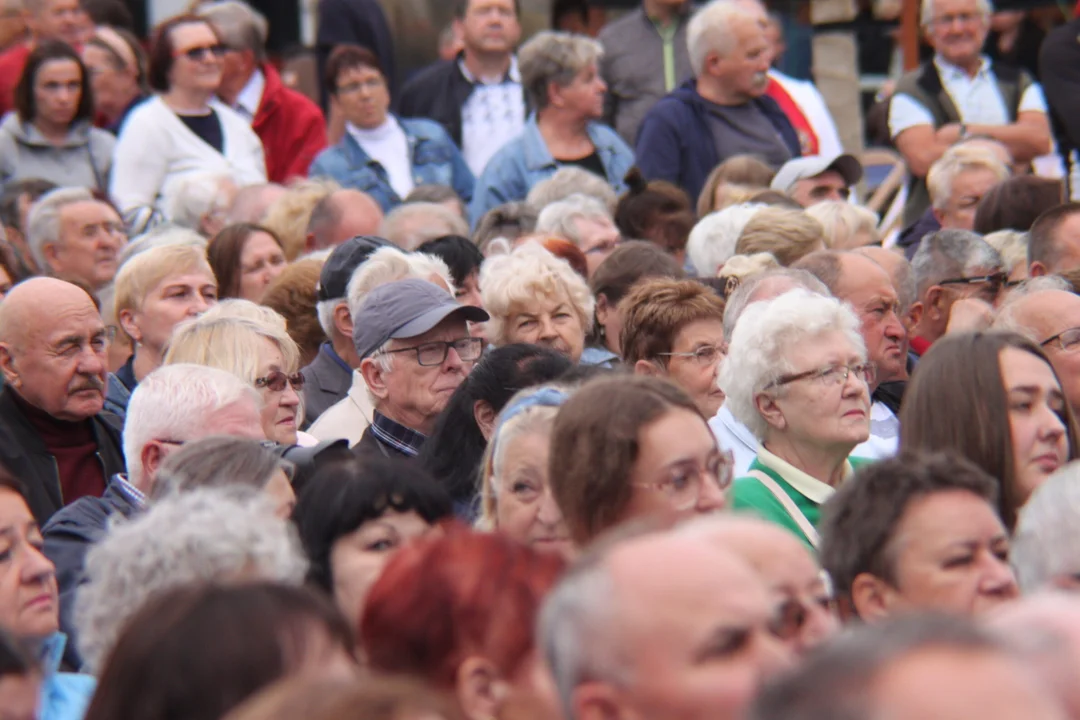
column 817, row 411
column 679, row 468
column 173, row 300
column 610, row 317
column 197, row 58
column 363, row 96
column 696, row 374
column 280, row 492
column 585, row 93
column 114, row 87
column 28, row 597
column 357, row 559
column 6, row 282
column 525, row 508
column 550, row 321
column 261, row 260
column 280, row 407
column 1036, row 407
column 951, row 554
column 57, row 91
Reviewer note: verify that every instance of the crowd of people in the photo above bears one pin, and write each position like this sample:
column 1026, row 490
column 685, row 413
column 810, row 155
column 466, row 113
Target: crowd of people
column 569, row 378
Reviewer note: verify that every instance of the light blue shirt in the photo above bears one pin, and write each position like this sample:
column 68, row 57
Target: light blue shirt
column 64, row 696
column 977, row 99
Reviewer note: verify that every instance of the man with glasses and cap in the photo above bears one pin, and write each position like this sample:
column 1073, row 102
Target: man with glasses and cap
column 413, row 342
column 817, row 178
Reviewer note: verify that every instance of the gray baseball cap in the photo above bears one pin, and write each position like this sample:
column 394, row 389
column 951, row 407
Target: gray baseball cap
column 405, row 309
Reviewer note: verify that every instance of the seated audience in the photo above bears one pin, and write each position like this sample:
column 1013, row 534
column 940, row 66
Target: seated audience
column 341, row 215
column 414, row 349
column 464, row 260
column 534, row 297
column 797, row 375
column 501, row 226
column 786, row 234
column 154, row 291
column 995, row 399
column 890, row 539
column 675, row 329
column 440, row 195
column 846, row 226
column 425, row 617
column 1016, row 203
column 57, row 440
column 183, row 129
column 564, row 88
column 584, row 221
column 381, row 154
column 200, row 202
column 273, row 631
column 736, row 175
column 713, row 239
column 1054, row 241
column 626, row 447
column 354, row 515
column 571, row 180
column 292, row 294
column 51, row 135
column 410, row 226
column 289, row 217
column 1043, row 552
column 116, row 63
column 75, row 237
column 656, row 211
column 818, row 178
column 245, row 259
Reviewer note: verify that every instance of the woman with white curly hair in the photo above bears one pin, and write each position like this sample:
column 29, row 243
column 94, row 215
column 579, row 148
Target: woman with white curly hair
column 797, row 376
column 217, row 535
column 536, row 298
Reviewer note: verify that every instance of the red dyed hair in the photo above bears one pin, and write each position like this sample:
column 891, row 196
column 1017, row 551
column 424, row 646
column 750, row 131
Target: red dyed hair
column 450, row 597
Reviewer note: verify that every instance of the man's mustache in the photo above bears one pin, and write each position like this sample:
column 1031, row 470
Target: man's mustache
column 91, row 382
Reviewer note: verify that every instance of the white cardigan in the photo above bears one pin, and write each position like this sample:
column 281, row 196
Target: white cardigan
column 155, row 149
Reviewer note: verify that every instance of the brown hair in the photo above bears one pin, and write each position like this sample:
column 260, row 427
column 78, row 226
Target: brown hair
column 1042, row 240
column 594, row 446
column 224, row 251
column 631, row 262
column 314, row 697
column 47, row 51
column 348, row 57
column 956, row 401
column 292, row 294
column 657, row 211
column 163, row 52
column 656, row 310
column 788, row 235
column 1015, row 203
column 743, row 171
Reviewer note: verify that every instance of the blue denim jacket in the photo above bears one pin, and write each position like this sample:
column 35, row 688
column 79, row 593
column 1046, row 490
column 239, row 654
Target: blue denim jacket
column 526, row 160
column 434, row 157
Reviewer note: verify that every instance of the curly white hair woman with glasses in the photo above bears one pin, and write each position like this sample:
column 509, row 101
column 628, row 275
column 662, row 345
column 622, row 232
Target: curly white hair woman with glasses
column 797, row 376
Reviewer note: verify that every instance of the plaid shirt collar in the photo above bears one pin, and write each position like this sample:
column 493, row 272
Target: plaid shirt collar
column 396, row 435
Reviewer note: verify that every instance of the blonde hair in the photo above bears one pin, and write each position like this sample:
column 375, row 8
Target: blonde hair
column 520, row 277
column 1012, row 245
column 289, row 216
column 956, row 160
column 230, row 343
column 842, row 221
column 147, row 270
column 787, row 234
column 246, row 310
column 741, row 176
column 736, row 270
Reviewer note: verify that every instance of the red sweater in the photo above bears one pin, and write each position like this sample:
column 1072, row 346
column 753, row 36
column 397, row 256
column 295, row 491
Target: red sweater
column 74, row 447
column 12, row 62
column 291, row 127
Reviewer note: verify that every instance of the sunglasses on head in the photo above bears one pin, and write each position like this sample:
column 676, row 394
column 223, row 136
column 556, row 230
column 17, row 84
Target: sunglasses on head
column 277, row 381
column 197, row 54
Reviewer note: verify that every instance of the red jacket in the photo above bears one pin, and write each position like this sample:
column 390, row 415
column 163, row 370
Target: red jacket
column 291, row 127
column 12, row 62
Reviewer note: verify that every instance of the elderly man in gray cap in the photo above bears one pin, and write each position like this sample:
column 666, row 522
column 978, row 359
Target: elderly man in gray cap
column 415, row 349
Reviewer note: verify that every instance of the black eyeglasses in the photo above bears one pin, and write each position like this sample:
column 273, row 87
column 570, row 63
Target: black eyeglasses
column 434, row 353
column 831, row 375
column 1067, row 340
column 277, row 380
column 198, row 54
column 994, row 281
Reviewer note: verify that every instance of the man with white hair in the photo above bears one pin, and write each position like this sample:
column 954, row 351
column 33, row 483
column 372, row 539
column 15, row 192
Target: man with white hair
column 584, row 221
column 1045, row 544
column 712, row 240
column 570, row 180
column 637, row 629
column 173, row 405
column 290, row 126
column 960, row 93
column 722, row 112
column 200, row 202
column 75, row 237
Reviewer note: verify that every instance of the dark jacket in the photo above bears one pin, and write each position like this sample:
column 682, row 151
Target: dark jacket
column 911, row 237
column 355, row 22
column 1059, row 72
column 24, row 455
column 370, row 445
column 438, row 92
column 676, row 144
column 326, row 381
column 69, row 535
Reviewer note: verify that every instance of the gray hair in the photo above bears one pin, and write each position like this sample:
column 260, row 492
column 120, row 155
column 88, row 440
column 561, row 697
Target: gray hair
column 176, row 402
column 161, row 236
column 206, row 535
column 926, row 14
column 1048, row 531
column 711, row 31
column 196, row 196
column 712, row 240
column 956, row 160
column 1012, row 245
column 761, row 347
column 389, row 264
column 567, row 181
column 43, row 222
column 410, row 226
column 560, row 217
column 949, row 254
column 738, row 301
column 554, row 57
column 240, row 26
column 1008, row 315
column 218, row 462
column 251, row 202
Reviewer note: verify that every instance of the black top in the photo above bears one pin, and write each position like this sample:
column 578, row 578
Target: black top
column 207, row 127
column 590, row 162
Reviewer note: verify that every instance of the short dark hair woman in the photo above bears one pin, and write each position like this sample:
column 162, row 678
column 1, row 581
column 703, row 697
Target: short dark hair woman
column 245, row 258
column 51, row 134
column 995, row 399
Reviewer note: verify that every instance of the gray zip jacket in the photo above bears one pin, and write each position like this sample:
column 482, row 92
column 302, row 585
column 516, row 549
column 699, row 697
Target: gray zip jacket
column 82, row 160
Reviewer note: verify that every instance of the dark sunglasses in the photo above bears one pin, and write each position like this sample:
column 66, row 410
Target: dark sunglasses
column 197, row 54
column 277, row 380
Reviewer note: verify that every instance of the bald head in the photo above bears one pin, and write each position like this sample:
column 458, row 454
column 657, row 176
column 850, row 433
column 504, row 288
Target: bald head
column 341, row 215
column 20, row 313
column 252, row 202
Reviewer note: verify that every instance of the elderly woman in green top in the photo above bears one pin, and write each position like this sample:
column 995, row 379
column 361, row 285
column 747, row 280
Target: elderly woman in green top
column 797, row 376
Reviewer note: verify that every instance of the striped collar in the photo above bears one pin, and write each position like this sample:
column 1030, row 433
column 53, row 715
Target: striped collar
column 131, row 493
column 392, row 433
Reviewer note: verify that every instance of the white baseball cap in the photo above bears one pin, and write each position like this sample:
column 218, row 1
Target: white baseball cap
column 810, row 166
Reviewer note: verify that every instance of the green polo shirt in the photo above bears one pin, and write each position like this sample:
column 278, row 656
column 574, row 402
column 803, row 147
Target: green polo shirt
column 808, row 494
